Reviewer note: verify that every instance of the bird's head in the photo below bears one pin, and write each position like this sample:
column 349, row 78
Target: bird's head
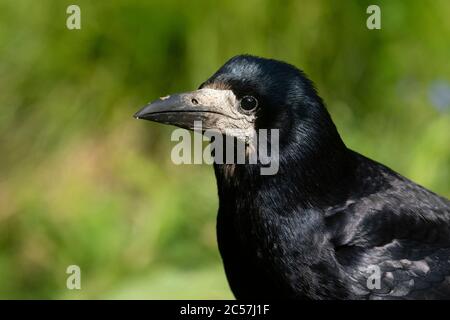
column 251, row 93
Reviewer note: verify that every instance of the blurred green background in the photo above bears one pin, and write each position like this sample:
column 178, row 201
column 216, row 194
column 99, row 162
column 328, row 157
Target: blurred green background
column 82, row 182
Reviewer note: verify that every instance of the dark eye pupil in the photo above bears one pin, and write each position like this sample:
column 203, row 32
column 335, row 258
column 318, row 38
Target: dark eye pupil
column 248, row 103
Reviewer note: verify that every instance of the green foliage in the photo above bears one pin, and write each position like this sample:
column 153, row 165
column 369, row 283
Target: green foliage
column 82, row 182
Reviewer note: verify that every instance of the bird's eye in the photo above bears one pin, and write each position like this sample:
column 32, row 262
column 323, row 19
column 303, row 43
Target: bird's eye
column 249, row 103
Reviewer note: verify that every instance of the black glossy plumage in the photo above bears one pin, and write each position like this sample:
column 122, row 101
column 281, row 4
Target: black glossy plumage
column 311, row 230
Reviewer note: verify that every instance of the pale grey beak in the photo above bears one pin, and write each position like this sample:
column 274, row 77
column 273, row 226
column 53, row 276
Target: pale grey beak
column 214, row 108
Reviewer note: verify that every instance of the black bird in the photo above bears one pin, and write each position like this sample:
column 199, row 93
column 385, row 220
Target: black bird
column 331, row 223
